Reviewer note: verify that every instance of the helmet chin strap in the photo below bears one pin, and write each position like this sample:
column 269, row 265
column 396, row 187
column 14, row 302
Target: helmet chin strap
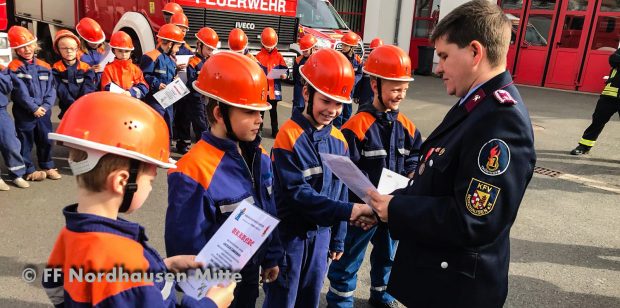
column 131, row 187
column 310, row 107
column 380, row 93
column 225, row 109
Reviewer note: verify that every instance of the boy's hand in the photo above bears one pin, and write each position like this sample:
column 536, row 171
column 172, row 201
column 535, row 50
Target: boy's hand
column 221, row 295
column 270, row 274
column 39, row 112
column 181, row 67
column 283, row 76
column 181, row 263
column 362, row 216
column 162, row 86
column 97, row 68
column 335, row 255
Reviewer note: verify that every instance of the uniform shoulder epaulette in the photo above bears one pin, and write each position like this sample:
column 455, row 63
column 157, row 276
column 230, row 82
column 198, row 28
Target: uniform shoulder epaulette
column 15, row 64
column 193, row 61
column 503, row 97
column 59, row 66
column 153, row 54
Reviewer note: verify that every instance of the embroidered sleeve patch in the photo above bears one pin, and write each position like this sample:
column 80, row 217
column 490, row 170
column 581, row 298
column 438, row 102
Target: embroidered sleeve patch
column 503, row 97
column 494, row 157
column 481, row 197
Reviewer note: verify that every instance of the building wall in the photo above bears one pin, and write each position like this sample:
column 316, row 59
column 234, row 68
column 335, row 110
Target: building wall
column 380, row 21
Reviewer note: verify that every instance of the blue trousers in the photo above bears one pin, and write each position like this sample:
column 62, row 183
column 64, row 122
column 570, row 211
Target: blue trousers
column 347, row 110
column 33, row 131
column 190, row 113
column 10, row 146
column 302, row 271
column 298, row 99
column 342, row 274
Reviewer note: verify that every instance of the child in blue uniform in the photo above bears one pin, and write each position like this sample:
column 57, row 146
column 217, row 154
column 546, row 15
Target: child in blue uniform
column 349, row 41
column 312, row 203
column 227, row 166
column 92, row 46
column 307, row 45
column 33, row 97
column 114, row 168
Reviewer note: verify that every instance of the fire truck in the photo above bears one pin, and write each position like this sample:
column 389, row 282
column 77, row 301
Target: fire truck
column 141, row 19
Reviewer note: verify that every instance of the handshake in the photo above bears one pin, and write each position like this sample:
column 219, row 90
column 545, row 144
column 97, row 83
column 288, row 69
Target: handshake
column 363, row 216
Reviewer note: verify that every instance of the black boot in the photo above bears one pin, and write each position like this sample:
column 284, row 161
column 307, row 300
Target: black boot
column 580, row 150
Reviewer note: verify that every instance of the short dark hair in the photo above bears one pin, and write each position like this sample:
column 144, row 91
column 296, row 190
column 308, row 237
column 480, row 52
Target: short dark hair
column 477, row 20
column 210, row 109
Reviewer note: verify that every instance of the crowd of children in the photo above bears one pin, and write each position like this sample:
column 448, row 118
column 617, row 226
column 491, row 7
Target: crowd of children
column 229, row 93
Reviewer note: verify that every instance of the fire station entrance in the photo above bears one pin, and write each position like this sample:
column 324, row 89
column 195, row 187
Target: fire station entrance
column 562, row 44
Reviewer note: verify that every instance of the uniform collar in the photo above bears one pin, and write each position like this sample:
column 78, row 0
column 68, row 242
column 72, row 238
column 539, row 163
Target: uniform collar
column 82, row 222
column 472, row 100
column 309, row 129
column 391, row 115
column 228, row 145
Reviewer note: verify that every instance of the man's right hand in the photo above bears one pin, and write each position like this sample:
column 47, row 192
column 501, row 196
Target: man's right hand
column 222, row 296
column 363, row 216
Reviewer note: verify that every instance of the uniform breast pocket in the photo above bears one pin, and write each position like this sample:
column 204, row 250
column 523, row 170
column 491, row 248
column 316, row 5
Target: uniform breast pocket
column 439, row 163
column 229, row 205
column 462, row 262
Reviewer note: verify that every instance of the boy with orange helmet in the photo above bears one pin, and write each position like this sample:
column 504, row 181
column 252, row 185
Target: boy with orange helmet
column 170, row 9
column 114, row 163
column 379, row 136
column 228, row 165
column 310, row 200
column 349, row 41
column 191, row 110
column 92, row 46
column 33, row 97
column 122, row 71
column 307, row 45
column 181, row 21
column 74, row 78
column 269, row 58
column 238, row 42
column 160, row 69
column 363, row 93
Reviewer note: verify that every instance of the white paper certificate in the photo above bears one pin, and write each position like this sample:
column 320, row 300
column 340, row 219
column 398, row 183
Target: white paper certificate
column 391, row 181
column 232, row 246
column 349, row 174
column 107, row 58
column 173, row 92
column 276, row 73
column 183, row 59
column 114, row 88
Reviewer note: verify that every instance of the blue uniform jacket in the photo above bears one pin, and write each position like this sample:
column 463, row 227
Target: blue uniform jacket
column 72, row 82
column 185, row 50
column 94, row 243
column 298, row 80
column 308, row 195
column 92, row 58
column 157, row 68
column 356, row 62
column 210, row 181
column 380, row 140
column 193, row 70
column 454, row 222
column 33, row 87
column 6, row 86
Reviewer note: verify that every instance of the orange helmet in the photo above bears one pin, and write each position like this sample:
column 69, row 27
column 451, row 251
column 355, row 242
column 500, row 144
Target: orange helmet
column 269, row 38
column 105, row 122
column 237, row 40
column 307, row 41
column 208, row 37
column 61, row 34
column 180, row 20
column 172, row 33
column 350, row 38
column 172, row 8
column 389, row 62
column 376, row 42
column 121, row 40
column 90, row 31
column 234, row 80
column 330, row 73
column 20, row 37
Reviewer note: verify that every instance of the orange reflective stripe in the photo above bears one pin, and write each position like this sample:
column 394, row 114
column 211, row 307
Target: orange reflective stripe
column 60, row 66
column 359, row 124
column 200, row 163
column 406, row 123
column 336, row 133
column 288, row 135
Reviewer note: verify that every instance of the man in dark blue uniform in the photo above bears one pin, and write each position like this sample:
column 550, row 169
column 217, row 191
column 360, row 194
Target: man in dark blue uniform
column 454, row 221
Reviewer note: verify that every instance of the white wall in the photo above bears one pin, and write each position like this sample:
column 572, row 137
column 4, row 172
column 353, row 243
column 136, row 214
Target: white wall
column 381, row 21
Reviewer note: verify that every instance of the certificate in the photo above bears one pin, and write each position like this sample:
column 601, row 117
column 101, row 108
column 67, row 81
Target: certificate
column 349, row 174
column 173, row 92
column 232, row 246
column 107, row 58
column 182, row 59
column 276, row 73
column 391, row 181
column 114, row 88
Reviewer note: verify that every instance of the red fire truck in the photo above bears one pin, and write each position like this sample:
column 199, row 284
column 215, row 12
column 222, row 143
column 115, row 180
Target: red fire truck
column 142, row 18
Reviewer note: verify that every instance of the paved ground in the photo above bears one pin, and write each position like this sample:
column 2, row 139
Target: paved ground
column 565, row 242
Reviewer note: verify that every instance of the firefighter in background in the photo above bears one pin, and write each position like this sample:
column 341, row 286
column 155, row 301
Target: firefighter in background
column 349, row 41
column 92, row 46
column 122, row 72
column 170, row 9
column 312, row 203
column 238, row 42
column 608, row 104
column 191, row 108
column 270, row 58
column 160, row 69
column 33, row 97
column 9, row 144
column 114, row 167
column 180, row 20
column 307, row 45
column 379, row 136
column 363, row 94
column 226, row 166
column 73, row 77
